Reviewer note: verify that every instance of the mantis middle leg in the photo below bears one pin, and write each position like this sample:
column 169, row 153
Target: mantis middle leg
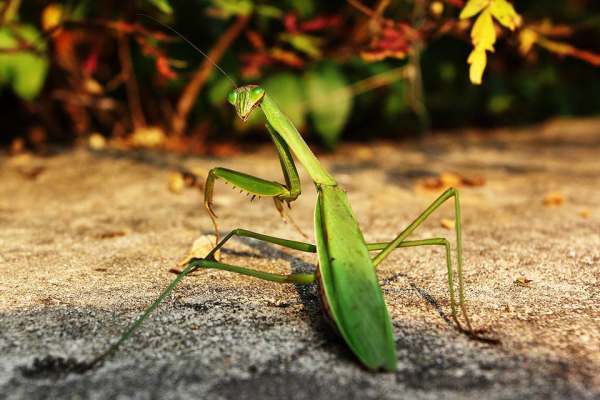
column 210, row 263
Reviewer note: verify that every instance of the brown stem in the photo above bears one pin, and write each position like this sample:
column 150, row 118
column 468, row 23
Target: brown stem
column 416, row 92
column 9, row 11
column 133, row 93
column 190, row 92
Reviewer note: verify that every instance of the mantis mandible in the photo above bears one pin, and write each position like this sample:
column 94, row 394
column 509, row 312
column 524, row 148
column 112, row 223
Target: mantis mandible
column 346, row 273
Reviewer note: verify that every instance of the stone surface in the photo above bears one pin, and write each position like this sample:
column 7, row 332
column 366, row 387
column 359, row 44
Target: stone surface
column 88, row 243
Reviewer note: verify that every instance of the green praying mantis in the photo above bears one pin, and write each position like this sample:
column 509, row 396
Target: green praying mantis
column 346, row 272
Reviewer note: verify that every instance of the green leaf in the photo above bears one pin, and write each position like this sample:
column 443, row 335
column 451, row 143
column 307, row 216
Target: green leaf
column 304, row 8
column 505, row 13
column 472, row 8
column 24, row 71
column 268, row 11
column 163, row 5
column 286, row 89
column 396, row 101
column 330, row 101
column 228, row 8
column 217, row 92
column 307, row 44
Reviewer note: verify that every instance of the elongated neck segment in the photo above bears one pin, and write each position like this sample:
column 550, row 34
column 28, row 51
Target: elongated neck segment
column 281, row 123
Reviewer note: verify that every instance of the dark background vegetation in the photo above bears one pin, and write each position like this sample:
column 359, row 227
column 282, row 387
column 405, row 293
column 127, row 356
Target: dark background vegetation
column 110, row 73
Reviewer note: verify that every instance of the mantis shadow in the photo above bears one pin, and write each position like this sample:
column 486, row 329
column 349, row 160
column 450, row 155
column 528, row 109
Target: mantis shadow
column 309, row 294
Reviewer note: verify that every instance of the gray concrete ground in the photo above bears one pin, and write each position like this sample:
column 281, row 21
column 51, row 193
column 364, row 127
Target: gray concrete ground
column 88, row 244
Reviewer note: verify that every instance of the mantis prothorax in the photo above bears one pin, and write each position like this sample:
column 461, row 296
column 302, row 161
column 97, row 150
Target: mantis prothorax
column 346, row 272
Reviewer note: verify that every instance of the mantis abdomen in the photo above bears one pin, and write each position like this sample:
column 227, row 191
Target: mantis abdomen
column 349, row 284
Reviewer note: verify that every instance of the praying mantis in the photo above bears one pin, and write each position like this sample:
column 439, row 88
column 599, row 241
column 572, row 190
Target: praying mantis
column 346, row 273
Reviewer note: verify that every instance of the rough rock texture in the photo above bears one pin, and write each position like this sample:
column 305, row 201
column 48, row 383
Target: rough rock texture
column 89, row 242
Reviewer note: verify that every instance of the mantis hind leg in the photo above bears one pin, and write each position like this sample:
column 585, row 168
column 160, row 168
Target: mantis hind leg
column 399, row 241
column 433, row 242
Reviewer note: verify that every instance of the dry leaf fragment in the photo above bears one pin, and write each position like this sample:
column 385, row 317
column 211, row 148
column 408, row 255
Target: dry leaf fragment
column 523, row 281
column 472, row 181
column 448, row 223
column 200, row 248
column 96, row 141
column 176, row 182
column 17, row 146
column 27, row 166
column 185, row 178
column 450, row 179
column 553, row 199
column 585, row 213
column 31, row 172
column 148, row 136
column 110, row 234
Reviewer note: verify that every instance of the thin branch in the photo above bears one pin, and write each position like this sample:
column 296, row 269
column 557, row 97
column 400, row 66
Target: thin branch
column 133, row 93
column 193, row 88
column 362, row 8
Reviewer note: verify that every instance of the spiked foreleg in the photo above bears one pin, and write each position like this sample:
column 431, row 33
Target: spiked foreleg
column 255, row 186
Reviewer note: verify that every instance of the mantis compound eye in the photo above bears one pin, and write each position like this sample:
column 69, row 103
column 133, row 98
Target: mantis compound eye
column 258, row 92
column 232, row 97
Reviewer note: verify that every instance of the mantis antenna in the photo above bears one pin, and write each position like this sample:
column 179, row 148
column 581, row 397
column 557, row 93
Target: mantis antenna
column 191, row 44
column 279, row 206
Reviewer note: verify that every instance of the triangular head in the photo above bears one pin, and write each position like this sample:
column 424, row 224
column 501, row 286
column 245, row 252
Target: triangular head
column 245, row 99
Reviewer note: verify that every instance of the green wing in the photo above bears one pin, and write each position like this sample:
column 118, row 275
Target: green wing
column 349, row 282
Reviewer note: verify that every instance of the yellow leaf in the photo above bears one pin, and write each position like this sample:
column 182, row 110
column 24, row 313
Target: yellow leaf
column 52, row 16
column 478, row 60
column 505, row 13
column 436, row 8
column 483, row 33
column 473, row 7
column 527, row 39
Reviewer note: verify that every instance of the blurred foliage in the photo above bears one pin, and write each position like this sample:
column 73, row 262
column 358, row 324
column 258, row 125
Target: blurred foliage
column 339, row 69
column 24, row 72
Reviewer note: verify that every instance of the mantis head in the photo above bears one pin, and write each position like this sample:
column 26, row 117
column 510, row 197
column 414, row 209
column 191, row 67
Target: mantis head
column 245, row 99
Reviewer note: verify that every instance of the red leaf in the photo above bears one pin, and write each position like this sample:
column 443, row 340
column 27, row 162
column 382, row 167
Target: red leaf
column 456, row 3
column 321, row 23
column 163, row 68
column 90, row 64
column 393, row 40
column 290, row 21
column 256, row 40
column 252, row 64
